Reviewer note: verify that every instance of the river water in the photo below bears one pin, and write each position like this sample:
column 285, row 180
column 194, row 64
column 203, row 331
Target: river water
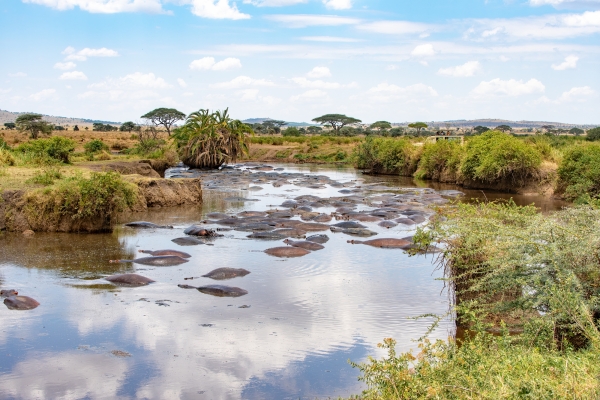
column 290, row 337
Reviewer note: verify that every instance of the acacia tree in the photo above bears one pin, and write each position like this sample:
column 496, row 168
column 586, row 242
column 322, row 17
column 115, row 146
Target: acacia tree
column 381, row 125
column 128, row 126
column 576, row 131
column 9, row 125
column 165, row 117
column 503, row 128
column 207, row 140
column 337, row 121
column 418, row 126
column 34, row 124
column 480, row 129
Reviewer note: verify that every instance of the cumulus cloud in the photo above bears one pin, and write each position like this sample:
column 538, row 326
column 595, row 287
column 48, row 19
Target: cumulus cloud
column 577, row 94
column 181, row 83
column 65, row 66
column 73, row 76
column 83, row 54
column 103, row 6
column 274, row 3
column 216, row 9
column 333, row 39
column 386, row 93
column 587, row 4
column 42, row 95
column 209, row 63
column 242, row 81
column 252, row 95
column 469, row 68
column 319, row 72
column 397, row 27
column 338, row 4
column 569, row 63
column 510, row 87
column 318, row 84
column 304, row 20
column 423, row 50
column 137, row 80
column 310, row 95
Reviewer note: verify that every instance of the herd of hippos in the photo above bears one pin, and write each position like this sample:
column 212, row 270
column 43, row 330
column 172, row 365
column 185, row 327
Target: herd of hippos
column 387, row 210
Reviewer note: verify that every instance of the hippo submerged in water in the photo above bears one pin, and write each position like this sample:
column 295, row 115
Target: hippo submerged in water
column 13, row 301
column 147, row 225
column 129, row 280
column 161, row 261
column 187, row 241
column 221, row 274
column 218, row 290
column 306, row 245
column 196, row 230
column 385, row 243
column 287, row 252
column 166, row 253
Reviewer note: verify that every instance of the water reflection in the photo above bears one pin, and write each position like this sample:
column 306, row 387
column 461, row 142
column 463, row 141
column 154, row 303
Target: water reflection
column 290, row 336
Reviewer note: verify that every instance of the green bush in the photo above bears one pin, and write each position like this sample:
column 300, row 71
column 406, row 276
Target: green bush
column 496, row 156
column 4, row 145
column 593, row 134
column 579, row 172
column 6, row 158
column 291, row 131
column 54, row 149
column 439, row 158
column 95, row 146
column 47, row 176
column 386, row 155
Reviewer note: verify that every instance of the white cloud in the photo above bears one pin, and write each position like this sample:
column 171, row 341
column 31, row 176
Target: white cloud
column 248, row 94
column 73, row 76
column 65, row 66
column 469, row 68
column 42, row 95
column 304, row 20
column 510, row 87
column 227, row 63
column 208, row 63
column 18, row 75
column 310, row 95
column 216, row 9
column 576, row 94
column 252, row 95
column 333, row 39
column 137, row 80
column 274, row 3
column 318, row 84
column 586, row 4
column 103, row 6
column 338, row 4
column 181, row 83
column 423, row 50
column 83, row 54
column 242, row 81
column 569, row 63
column 319, row 72
column 397, row 27
column 418, row 88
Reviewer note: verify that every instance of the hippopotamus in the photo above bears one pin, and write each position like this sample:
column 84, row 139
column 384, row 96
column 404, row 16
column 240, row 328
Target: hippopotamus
column 287, row 252
column 322, row 218
column 312, row 246
column 418, row 218
column 129, row 280
column 387, row 224
column 187, row 241
column 267, row 236
column 161, row 261
column 196, row 230
column 221, row 274
column 321, row 239
column 13, row 301
column 405, row 221
column 353, row 231
column 385, row 243
column 147, row 225
column 312, row 226
column 217, row 215
column 246, row 214
column 309, row 216
column 349, row 224
column 222, row 291
column 254, row 227
column 166, row 253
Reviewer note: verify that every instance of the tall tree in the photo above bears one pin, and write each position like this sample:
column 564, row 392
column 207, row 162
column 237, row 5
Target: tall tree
column 33, row 124
column 576, row 131
column 381, row 125
column 165, row 117
column 418, row 126
column 480, row 129
column 127, row 127
column 503, row 128
column 337, row 121
column 10, row 125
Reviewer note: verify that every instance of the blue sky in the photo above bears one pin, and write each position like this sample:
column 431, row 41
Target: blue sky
column 297, row 59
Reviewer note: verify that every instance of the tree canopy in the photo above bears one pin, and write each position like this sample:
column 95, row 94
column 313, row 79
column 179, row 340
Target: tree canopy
column 593, row 134
column 576, row 131
column 100, row 127
column 128, row 126
column 503, row 128
column 337, row 121
column 480, row 129
column 165, row 117
column 381, row 125
column 10, row 125
column 34, row 124
column 418, row 126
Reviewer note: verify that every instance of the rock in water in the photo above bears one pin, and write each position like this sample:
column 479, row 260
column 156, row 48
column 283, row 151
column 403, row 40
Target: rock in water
column 222, row 291
column 13, row 301
column 385, row 243
column 147, row 225
column 221, row 274
column 321, row 239
column 129, row 280
column 287, row 252
column 166, row 253
column 187, row 241
column 311, row 246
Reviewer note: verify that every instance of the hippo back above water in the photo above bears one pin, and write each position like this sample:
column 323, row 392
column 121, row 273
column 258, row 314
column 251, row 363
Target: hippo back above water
column 147, row 225
column 13, row 301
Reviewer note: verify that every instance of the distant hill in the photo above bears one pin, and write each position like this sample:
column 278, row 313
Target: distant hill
column 8, row 116
column 261, row 120
column 492, row 123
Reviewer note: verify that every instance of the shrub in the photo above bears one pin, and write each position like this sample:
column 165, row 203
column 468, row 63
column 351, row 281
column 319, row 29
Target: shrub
column 56, row 148
column 95, row 146
column 47, row 176
column 593, row 134
column 386, row 155
column 439, row 158
column 4, row 145
column 579, row 172
column 495, row 156
column 291, row 131
column 6, row 158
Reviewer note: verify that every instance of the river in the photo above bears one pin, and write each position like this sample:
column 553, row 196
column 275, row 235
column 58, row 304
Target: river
column 290, row 337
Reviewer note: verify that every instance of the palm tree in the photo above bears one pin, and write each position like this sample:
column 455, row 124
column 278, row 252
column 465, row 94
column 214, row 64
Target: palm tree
column 208, row 140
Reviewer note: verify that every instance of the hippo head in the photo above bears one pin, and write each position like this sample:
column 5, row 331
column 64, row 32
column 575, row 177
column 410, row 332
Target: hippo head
column 8, row 293
column 287, row 241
